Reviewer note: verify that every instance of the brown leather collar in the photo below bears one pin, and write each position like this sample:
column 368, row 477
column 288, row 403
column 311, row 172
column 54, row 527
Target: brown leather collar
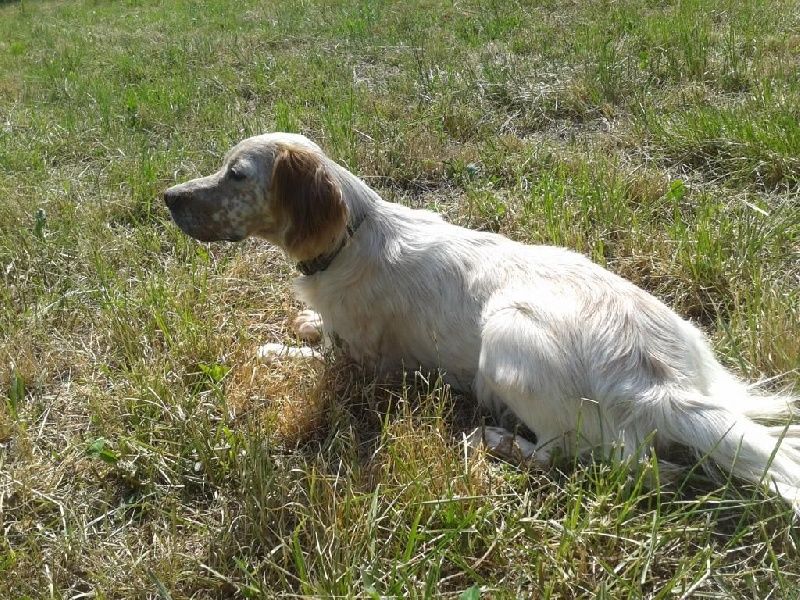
column 323, row 261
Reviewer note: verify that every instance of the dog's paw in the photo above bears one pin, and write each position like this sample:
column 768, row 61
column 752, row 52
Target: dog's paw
column 504, row 444
column 269, row 353
column 308, row 326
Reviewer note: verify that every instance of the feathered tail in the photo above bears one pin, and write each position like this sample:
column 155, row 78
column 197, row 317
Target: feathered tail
column 722, row 426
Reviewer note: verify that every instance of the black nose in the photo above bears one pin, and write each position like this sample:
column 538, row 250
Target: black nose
column 173, row 197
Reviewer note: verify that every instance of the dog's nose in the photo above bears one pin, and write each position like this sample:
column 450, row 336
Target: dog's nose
column 172, row 197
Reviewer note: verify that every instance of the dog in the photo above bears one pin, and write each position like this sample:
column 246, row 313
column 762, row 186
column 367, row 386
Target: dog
column 583, row 358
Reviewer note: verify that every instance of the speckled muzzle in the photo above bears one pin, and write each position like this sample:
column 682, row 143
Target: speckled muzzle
column 206, row 210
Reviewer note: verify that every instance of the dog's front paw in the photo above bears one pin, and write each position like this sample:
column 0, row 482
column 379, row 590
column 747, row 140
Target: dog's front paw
column 308, row 326
column 269, row 353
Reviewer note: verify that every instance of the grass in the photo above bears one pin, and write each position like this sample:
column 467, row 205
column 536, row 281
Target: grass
column 145, row 454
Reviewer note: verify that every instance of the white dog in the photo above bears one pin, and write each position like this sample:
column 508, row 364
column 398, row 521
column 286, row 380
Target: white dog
column 582, row 357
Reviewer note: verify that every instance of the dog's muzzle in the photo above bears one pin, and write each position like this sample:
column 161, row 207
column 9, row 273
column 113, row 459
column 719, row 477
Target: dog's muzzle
column 189, row 216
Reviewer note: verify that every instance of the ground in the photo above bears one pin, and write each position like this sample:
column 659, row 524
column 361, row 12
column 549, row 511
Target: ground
column 145, row 454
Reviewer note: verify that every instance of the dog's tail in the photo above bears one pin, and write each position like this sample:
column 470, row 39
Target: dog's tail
column 722, row 428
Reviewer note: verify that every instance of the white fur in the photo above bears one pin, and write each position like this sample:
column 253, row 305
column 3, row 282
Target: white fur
column 585, row 359
column 274, row 352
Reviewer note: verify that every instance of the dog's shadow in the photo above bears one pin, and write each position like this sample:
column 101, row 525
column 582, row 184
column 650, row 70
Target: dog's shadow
column 349, row 415
column 349, row 397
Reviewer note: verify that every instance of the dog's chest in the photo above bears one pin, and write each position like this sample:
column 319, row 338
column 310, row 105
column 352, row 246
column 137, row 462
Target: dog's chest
column 393, row 330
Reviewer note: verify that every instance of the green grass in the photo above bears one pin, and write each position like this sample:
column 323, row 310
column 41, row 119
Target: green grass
column 145, row 454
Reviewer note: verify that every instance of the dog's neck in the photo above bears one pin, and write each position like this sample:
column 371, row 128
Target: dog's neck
column 323, row 261
column 358, row 198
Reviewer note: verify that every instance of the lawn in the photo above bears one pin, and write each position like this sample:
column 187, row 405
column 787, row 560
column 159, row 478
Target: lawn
column 144, row 453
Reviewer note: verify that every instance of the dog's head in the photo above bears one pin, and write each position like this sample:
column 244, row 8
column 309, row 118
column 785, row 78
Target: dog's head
column 277, row 186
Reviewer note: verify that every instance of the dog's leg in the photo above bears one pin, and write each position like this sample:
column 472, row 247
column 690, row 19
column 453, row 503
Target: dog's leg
column 308, row 326
column 523, row 368
column 274, row 352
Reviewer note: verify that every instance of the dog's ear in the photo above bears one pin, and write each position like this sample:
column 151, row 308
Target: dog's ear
column 308, row 202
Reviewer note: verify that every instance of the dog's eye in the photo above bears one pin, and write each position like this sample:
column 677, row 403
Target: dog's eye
column 236, row 174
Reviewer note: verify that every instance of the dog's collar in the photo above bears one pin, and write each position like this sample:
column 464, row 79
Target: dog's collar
column 323, row 261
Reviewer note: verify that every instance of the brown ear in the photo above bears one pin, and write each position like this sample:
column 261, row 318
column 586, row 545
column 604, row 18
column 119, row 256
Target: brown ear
column 308, row 201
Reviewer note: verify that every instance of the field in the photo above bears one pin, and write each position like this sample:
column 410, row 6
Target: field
column 143, row 451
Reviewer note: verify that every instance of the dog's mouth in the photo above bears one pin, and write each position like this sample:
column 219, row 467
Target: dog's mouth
column 197, row 230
